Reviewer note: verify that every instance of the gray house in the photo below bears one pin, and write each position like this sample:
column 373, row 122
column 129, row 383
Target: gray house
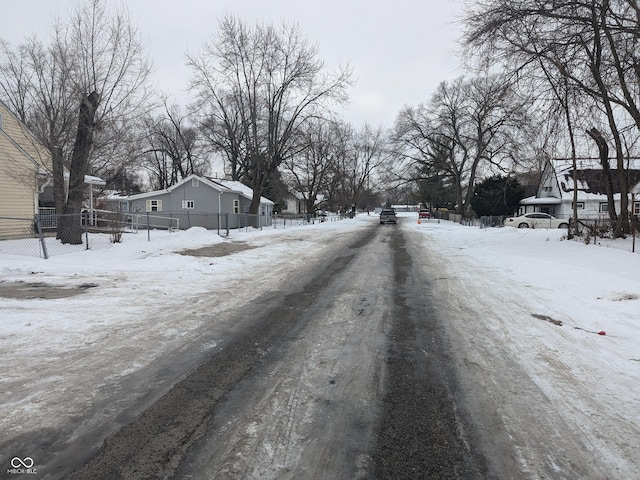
column 200, row 202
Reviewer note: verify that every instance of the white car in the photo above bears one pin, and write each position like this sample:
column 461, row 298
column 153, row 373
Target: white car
column 536, row 220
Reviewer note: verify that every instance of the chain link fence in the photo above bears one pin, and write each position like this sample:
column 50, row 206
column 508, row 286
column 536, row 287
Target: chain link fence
column 48, row 234
column 589, row 230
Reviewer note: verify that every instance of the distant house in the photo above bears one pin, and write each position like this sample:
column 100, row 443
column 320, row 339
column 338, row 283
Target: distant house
column 25, row 166
column 295, row 203
column 199, row 201
column 555, row 191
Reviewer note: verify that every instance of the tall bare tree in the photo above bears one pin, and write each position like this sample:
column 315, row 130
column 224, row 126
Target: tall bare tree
column 322, row 143
column 90, row 77
column 468, row 127
column 593, row 44
column 276, row 82
column 109, row 71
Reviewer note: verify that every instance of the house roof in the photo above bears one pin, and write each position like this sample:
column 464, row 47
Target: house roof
column 138, row 196
column 590, row 177
column 241, row 188
column 91, row 180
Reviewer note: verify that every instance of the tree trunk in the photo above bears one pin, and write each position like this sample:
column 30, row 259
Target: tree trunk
column 623, row 180
column 310, row 204
column 603, row 151
column 70, row 226
column 58, row 179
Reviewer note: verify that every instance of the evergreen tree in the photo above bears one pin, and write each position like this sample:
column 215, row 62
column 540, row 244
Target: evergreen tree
column 497, row 195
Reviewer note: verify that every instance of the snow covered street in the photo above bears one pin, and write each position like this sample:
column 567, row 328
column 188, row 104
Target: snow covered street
column 525, row 303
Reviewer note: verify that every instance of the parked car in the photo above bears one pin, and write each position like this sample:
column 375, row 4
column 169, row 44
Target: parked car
column 424, row 214
column 388, row 215
column 536, row 220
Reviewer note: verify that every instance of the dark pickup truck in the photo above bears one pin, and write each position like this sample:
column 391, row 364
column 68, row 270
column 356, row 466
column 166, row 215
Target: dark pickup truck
column 388, row 215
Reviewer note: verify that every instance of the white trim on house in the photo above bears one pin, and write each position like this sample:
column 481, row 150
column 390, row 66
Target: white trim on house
column 153, row 205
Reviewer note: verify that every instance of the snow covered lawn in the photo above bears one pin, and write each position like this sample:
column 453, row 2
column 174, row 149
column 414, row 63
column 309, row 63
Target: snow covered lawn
column 548, row 331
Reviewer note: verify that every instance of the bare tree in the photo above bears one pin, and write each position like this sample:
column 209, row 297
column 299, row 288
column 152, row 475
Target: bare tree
column 38, row 88
column 222, row 128
column 354, row 174
column 174, row 150
column 109, row 72
column 322, row 144
column 469, row 127
column 89, row 79
column 593, row 44
column 275, row 81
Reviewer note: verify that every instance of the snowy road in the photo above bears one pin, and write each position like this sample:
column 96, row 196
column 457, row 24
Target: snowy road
column 310, row 330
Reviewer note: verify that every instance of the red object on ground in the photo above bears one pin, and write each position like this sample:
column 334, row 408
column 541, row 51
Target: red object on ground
column 602, row 332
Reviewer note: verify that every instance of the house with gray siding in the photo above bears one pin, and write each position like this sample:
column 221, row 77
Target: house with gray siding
column 198, row 201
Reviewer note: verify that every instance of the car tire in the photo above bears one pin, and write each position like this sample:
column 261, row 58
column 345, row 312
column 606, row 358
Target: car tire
column 523, row 225
column 563, row 225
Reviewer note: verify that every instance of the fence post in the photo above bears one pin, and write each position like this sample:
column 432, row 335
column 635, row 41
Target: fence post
column 148, row 229
column 43, row 244
column 226, row 219
column 86, row 231
column 633, row 221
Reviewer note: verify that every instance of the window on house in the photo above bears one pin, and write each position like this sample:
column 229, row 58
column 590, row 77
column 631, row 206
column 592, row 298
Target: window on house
column 236, row 206
column 547, row 189
column 579, row 205
column 604, row 207
column 188, row 204
column 636, row 208
column 154, row 205
column 195, row 182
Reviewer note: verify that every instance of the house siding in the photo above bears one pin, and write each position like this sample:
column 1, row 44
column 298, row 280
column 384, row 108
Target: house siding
column 204, row 201
column 21, row 156
column 17, row 183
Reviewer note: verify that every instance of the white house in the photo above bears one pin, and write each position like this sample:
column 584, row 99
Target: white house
column 295, row 203
column 556, row 188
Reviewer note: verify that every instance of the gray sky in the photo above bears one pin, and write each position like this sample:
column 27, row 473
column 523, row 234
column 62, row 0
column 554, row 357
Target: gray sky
column 399, row 50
